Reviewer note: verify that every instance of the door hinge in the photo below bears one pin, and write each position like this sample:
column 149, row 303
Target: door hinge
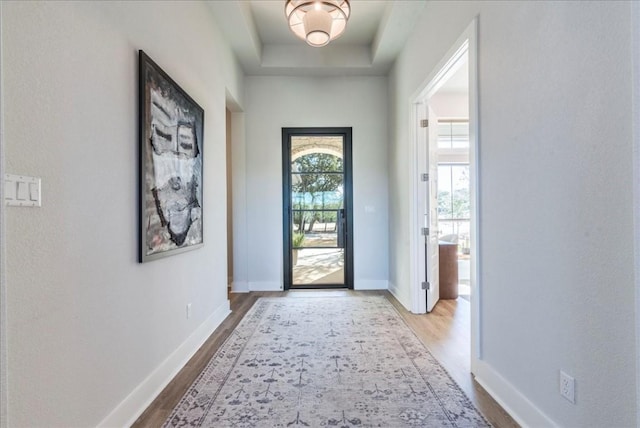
column 426, row 285
column 424, row 176
column 424, row 123
column 425, row 231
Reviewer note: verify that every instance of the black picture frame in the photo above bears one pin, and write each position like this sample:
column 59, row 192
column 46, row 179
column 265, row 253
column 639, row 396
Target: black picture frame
column 170, row 179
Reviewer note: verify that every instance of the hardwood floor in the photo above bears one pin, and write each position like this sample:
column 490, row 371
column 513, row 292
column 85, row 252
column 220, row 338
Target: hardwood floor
column 447, row 334
column 445, row 331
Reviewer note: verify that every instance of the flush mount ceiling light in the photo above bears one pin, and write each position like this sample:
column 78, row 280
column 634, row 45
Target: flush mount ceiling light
column 317, row 21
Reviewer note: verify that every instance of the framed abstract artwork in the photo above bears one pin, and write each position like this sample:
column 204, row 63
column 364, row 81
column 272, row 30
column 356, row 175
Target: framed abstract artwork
column 170, row 172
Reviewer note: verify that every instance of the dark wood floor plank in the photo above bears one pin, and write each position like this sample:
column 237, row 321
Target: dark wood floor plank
column 445, row 332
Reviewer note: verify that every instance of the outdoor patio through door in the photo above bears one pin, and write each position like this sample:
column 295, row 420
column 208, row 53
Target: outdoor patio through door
column 317, row 218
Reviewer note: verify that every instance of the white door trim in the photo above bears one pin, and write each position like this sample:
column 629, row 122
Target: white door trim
column 467, row 43
column 474, row 192
column 416, row 262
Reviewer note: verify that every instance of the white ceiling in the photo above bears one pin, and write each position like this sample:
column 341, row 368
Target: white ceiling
column 258, row 34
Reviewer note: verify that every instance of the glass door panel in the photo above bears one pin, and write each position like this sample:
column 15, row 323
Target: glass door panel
column 312, row 229
column 317, row 210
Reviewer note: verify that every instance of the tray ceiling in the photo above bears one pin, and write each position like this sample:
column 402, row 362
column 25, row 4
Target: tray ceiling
column 258, row 34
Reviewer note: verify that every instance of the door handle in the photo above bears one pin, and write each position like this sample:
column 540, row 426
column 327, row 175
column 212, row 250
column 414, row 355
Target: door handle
column 341, row 227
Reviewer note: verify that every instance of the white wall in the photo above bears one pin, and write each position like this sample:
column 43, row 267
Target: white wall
column 276, row 102
column 87, row 324
column 239, row 193
column 556, row 215
column 450, row 105
column 635, row 23
column 3, row 270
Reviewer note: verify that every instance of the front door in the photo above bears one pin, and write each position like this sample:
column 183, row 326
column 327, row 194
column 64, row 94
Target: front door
column 317, row 218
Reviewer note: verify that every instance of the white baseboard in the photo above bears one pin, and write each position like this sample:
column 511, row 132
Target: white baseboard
column 401, row 295
column 515, row 403
column 239, row 287
column 126, row 413
column 265, row 286
column 370, row 284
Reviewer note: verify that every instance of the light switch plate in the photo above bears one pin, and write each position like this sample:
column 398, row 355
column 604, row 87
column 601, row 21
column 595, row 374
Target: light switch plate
column 10, row 190
column 22, row 191
column 34, row 192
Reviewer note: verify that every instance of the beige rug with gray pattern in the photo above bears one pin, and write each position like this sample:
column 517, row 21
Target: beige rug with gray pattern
column 324, row 362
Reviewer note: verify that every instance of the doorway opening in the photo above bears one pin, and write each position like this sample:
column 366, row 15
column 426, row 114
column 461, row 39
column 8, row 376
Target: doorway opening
column 229, row 173
column 236, row 278
column 454, row 199
column 317, row 214
column 445, row 242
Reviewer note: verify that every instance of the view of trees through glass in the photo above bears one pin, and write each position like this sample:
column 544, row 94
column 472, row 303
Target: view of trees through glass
column 454, row 210
column 316, row 189
column 317, row 184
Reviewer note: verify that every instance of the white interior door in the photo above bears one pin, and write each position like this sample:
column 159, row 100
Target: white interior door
column 432, row 258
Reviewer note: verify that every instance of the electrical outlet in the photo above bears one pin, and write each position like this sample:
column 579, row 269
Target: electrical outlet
column 188, row 310
column 568, row 387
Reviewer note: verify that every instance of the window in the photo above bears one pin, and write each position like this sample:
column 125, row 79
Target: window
column 453, row 134
column 454, row 211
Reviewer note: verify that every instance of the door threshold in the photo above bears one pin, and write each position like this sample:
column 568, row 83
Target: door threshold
column 318, row 287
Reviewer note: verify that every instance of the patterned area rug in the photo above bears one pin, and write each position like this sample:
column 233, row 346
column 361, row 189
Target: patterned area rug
column 324, row 362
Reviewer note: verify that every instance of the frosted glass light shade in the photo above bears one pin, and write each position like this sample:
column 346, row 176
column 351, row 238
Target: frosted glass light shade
column 317, row 21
